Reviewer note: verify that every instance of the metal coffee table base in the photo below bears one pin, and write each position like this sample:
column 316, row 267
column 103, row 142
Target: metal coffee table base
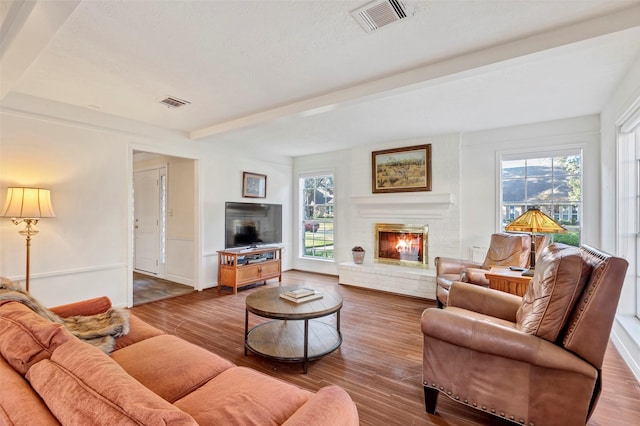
column 293, row 340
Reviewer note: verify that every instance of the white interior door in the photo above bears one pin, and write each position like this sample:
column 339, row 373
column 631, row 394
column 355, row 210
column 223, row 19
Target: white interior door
column 146, row 220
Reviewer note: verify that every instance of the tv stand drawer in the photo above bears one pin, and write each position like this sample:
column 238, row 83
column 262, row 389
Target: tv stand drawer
column 249, row 274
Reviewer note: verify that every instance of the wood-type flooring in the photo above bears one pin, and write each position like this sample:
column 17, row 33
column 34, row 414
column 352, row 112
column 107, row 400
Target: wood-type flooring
column 147, row 288
column 379, row 362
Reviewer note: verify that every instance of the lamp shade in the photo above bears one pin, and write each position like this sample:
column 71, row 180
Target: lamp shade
column 28, row 203
column 533, row 220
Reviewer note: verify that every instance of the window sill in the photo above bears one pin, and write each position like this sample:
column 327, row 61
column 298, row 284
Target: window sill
column 317, row 259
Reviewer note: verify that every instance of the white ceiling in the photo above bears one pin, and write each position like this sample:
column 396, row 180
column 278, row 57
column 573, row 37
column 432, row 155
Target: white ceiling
column 303, row 77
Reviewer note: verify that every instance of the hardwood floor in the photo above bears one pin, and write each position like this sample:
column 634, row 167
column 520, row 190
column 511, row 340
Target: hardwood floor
column 379, row 362
column 147, row 288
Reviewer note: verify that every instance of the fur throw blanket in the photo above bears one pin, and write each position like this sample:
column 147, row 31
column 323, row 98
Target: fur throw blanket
column 99, row 330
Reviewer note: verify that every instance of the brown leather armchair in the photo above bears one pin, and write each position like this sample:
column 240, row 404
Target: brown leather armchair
column 532, row 360
column 504, row 250
column 477, row 276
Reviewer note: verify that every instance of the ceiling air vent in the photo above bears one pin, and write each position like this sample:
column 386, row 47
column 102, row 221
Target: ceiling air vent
column 172, row 102
column 379, row 13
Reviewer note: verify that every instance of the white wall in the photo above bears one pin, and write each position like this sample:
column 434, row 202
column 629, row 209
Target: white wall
column 481, row 151
column 181, row 207
column 221, row 181
column 352, row 170
column 465, row 166
column 77, row 253
column 85, row 251
column 626, row 328
column 444, row 226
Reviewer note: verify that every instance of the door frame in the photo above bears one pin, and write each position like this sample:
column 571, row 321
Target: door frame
column 197, row 244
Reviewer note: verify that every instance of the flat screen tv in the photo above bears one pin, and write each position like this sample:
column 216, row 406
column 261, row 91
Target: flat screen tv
column 252, row 224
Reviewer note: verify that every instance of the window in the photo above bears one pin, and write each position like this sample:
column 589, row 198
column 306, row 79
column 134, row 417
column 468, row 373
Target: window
column 628, row 215
column 552, row 183
column 318, row 211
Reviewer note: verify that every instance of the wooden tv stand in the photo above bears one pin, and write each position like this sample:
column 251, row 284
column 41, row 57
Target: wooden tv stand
column 242, row 267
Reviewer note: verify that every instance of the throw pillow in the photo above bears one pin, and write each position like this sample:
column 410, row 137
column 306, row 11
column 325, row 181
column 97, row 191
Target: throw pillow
column 560, row 276
column 19, row 403
column 26, row 337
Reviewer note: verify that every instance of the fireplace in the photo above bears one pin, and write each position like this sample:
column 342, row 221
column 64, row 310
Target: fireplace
column 401, row 244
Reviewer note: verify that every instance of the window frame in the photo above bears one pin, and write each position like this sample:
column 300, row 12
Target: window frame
column 628, row 196
column 301, row 213
column 542, row 152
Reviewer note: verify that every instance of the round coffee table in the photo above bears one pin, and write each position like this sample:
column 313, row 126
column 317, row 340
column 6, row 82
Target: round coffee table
column 294, row 334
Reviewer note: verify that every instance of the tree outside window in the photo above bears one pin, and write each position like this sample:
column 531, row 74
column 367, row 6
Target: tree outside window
column 318, row 210
column 551, row 183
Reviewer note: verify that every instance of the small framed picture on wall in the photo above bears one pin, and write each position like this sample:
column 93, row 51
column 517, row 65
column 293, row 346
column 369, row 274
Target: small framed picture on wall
column 254, row 185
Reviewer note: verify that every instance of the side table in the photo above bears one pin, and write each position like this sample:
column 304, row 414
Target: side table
column 504, row 279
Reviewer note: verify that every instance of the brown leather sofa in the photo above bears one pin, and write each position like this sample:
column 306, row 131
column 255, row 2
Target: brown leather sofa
column 533, row 360
column 50, row 377
column 505, row 249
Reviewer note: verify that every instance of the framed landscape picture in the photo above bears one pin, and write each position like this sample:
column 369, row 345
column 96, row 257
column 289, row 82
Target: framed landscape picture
column 401, row 169
column 254, row 185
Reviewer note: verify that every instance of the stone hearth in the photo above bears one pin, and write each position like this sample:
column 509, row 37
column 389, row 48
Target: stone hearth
column 405, row 280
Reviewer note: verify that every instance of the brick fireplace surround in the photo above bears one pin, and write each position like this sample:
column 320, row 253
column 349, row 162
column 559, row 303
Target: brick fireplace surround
column 437, row 211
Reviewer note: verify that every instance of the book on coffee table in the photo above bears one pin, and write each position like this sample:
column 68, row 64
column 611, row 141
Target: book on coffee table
column 306, row 298
column 300, row 292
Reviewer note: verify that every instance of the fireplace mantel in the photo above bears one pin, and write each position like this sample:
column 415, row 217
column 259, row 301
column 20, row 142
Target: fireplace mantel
column 423, row 205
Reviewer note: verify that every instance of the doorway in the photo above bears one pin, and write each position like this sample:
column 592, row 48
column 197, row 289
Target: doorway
column 164, row 237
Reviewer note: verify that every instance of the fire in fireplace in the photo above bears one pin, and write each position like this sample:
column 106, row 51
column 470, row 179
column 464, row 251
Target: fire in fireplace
column 401, row 244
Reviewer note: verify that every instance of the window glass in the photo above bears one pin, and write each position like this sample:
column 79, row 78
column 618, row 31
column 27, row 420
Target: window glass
column 539, row 167
column 552, row 183
column 514, row 189
column 318, row 211
column 513, row 169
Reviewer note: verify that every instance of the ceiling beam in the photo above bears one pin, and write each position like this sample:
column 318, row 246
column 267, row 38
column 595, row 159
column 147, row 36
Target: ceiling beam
column 447, row 69
column 27, row 29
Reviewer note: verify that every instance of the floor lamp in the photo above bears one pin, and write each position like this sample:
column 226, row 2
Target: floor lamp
column 27, row 205
column 534, row 222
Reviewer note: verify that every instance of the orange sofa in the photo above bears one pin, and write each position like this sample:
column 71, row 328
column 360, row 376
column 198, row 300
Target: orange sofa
column 50, row 377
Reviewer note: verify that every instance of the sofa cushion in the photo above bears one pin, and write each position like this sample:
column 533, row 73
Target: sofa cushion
column 169, row 366
column 26, row 337
column 560, row 276
column 331, row 405
column 241, row 396
column 138, row 331
column 19, row 403
column 90, row 388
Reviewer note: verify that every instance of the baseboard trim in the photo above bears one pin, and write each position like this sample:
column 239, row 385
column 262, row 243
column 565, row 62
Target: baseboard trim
column 625, row 336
